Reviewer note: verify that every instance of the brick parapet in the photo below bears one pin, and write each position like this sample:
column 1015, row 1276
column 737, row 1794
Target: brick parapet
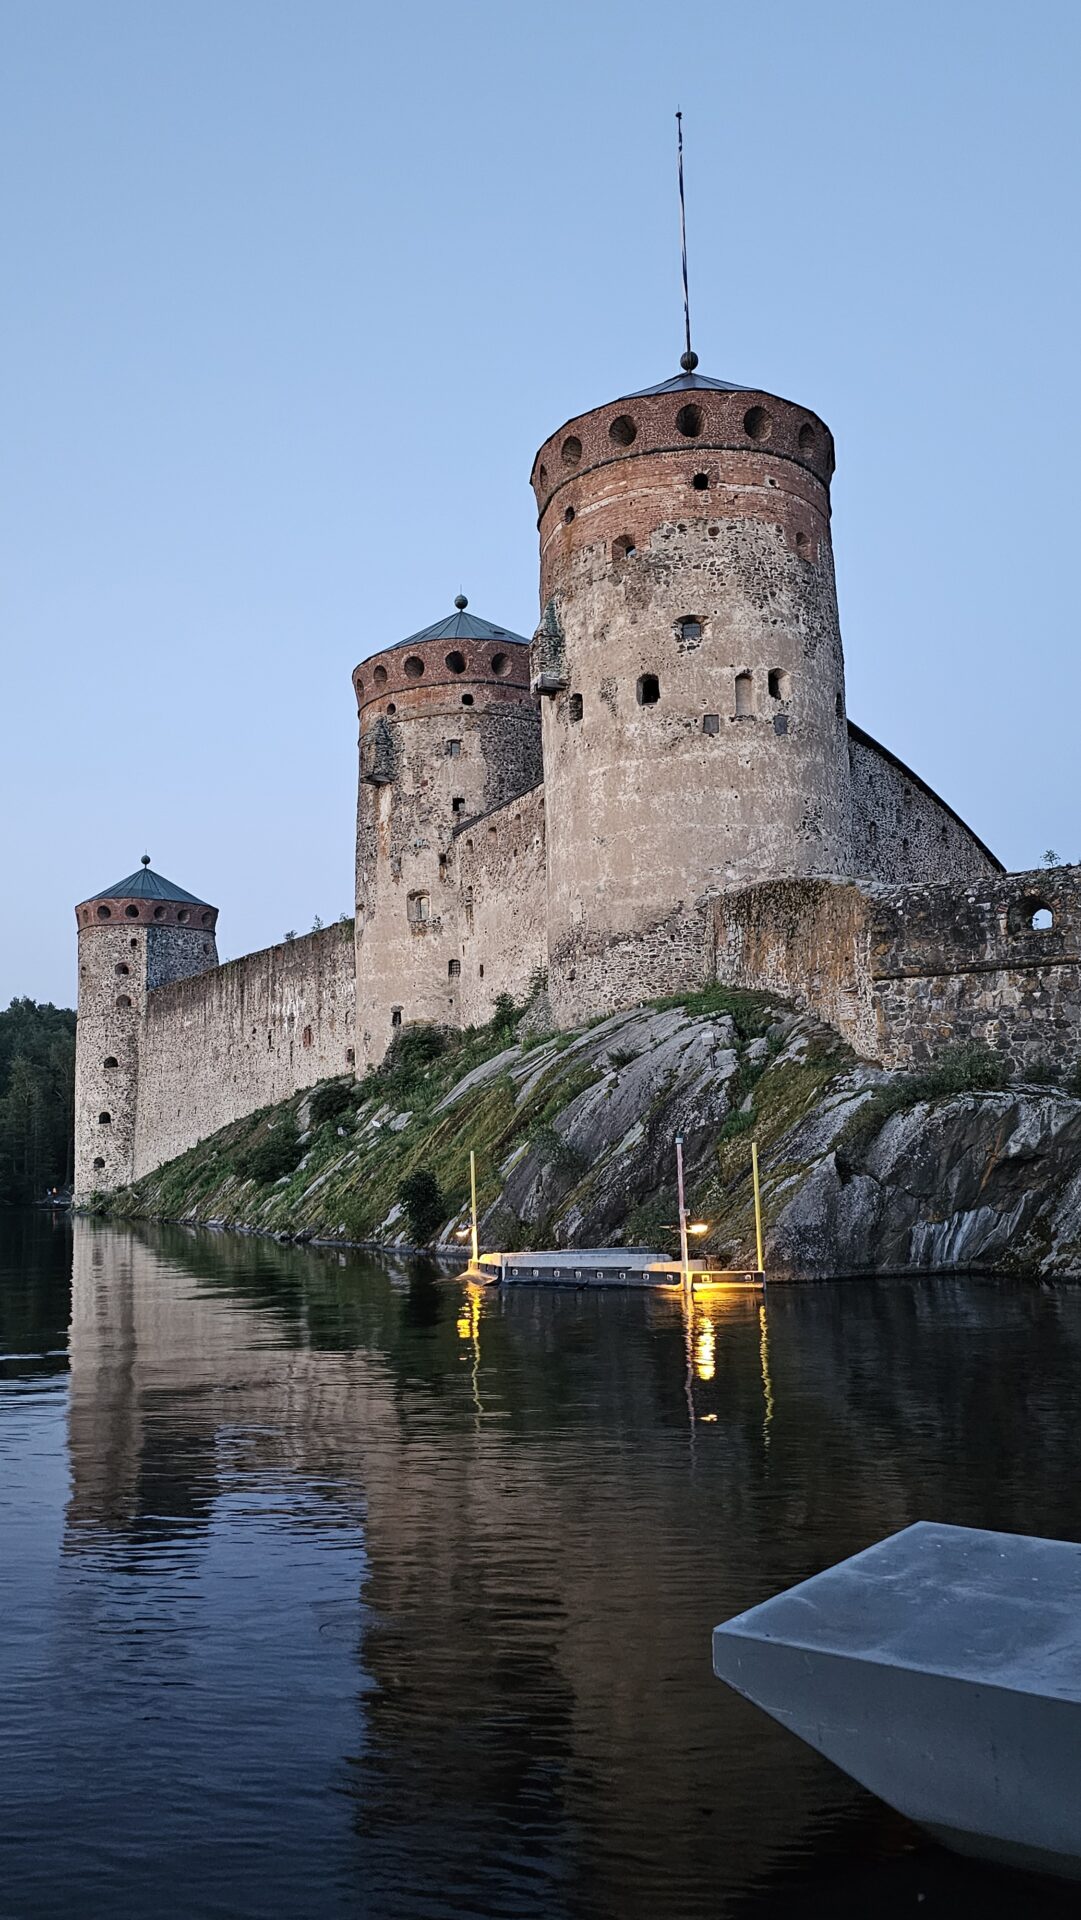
column 156, row 913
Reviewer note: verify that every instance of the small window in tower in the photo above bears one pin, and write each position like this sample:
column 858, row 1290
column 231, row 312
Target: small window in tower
column 98, row 1163
column 689, row 628
column 840, row 705
column 700, row 482
column 480, row 970
column 574, row 706
column 572, row 450
column 624, row 548
column 457, row 805
column 454, row 968
column 568, row 516
column 380, row 676
column 467, row 699
column 442, row 866
column 395, row 1016
column 803, row 545
column 744, row 696
column 391, row 708
column 133, row 944
column 649, row 690
column 711, row 723
column 109, row 1060
column 779, row 684
column 350, row 1056
column 456, row 661
column 417, row 907
column 105, row 1119
column 306, row 1037
column 454, row 748
column 123, row 1000
column 122, row 967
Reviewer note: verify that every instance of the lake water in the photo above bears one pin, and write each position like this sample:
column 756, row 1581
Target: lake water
column 329, row 1586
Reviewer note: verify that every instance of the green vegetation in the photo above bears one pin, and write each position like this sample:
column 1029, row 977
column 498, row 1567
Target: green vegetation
column 272, row 1156
column 37, row 1100
column 422, row 1198
column 960, row 1069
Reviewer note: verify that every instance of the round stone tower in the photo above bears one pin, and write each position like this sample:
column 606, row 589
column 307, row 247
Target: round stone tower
column 137, row 935
column 448, row 730
column 690, row 667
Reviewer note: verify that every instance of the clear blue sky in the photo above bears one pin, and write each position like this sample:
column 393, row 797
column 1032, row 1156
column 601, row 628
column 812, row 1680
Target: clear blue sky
column 292, row 293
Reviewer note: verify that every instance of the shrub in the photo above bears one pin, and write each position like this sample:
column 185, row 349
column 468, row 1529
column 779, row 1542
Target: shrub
column 421, row 1196
column 333, row 1099
column 409, row 1056
column 504, row 1013
column 276, row 1153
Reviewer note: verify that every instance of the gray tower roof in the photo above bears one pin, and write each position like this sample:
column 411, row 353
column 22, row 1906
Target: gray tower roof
column 688, row 383
column 148, row 885
column 459, row 626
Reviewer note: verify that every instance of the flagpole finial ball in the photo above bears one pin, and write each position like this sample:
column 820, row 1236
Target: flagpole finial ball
column 461, row 602
column 145, row 861
column 688, row 361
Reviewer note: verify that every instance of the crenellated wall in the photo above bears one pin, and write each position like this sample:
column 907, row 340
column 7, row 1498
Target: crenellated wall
column 242, row 1036
column 904, row 972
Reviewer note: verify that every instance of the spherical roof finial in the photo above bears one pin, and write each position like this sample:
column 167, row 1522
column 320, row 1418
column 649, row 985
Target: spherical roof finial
column 460, row 602
column 688, row 361
column 145, row 861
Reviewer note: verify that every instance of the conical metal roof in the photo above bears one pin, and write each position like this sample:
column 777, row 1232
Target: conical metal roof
column 148, row 885
column 690, row 382
column 459, row 625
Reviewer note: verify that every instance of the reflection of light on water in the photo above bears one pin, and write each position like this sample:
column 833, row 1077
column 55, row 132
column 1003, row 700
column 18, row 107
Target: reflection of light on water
column 469, row 1329
column 767, row 1383
column 705, row 1349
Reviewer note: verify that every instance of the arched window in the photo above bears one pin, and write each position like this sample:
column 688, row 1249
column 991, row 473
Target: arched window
column 649, row 690
column 744, row 695
column 105, row 1119
column 109, row 1060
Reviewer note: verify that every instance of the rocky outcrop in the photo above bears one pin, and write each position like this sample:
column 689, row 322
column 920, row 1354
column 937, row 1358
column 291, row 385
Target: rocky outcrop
column 862, row 1171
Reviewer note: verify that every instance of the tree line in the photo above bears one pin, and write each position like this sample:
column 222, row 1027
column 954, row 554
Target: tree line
column 37, row 1100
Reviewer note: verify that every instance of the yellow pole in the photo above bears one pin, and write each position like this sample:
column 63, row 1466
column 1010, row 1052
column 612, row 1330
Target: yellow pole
column 685, row 1259
column 757, row 1206
column 473, row 1202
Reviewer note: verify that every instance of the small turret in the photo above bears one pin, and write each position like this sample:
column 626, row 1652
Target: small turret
column 133, row 937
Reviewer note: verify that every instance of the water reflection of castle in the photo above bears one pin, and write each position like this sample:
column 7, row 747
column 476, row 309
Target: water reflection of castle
column 535, row 1724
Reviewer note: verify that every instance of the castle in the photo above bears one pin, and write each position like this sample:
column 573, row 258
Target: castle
column 661, row 790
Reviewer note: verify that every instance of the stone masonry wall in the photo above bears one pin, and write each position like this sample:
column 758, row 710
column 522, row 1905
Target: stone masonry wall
column 223, row 1044
column 501, row 905
column 904, row 972
column 902, row 833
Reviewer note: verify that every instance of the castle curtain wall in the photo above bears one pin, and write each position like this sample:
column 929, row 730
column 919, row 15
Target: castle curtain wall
column 501, row 906
column 902, row 833
column 217, row 1047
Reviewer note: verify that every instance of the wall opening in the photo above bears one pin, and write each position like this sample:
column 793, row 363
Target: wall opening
column 183, row 916
column 571, row 450
column 122, row 967
column 454, row 968
column 649, row 690
column 467, row 699
column 568, row 516
column 457, row 805
column 417, row 907
column 380, row 676
column 132, row 912
column 98, row 1162
column 350, row 1056
column 574, row 706
column 105, row 913
column 807, row 437
column 306, row 1037
column 700, row 482
column 391, row 708
column 624, row 547
column 689, row 628
column 109, row 1060
column 711, row 723
column 744, row 695
column 456, row 661
column 803, row 545
column 757, row 423
column 779, row 684
column 689, row 422
column 501, row 663
column 623, row 431
column 480, row 970
column 453, row 748
column 123, row 1000
column 159, row 913
column 413, row 667
column 105, row 1119
column 395, row 1016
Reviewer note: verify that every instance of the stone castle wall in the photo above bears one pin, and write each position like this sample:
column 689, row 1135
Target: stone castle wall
column 904, row 972
column 501, row 905
column 217, row 1047
column 902, row 833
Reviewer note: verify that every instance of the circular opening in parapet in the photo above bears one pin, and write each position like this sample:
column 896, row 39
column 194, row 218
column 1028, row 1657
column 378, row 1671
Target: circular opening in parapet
column 98, row 1162
column 183, row 916
column 206, row 919
column 109, row 1060
column 623, row 431
column 568, row 516
column 391, row 708
column 803, row 544
column 105, row 913
column 571, row 450
column 380, row 676
column 359, row 685
column 122, row 967
column 467, row 699
column 414, row 667
column 132, row 912
column 807, row 437
column 159, row 913
column 542, row 478
column 123, row 1000
column 689, row 422
column 456, row 662
column 757, row 423
column 500, row 663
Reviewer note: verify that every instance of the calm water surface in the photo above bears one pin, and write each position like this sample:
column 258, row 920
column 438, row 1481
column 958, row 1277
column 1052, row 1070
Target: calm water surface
column 332, row 1587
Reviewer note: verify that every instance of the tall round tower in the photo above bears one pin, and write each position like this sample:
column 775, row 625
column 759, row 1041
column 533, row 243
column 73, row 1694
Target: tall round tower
column 137, row 935
column 448, row 731
column 690, row 667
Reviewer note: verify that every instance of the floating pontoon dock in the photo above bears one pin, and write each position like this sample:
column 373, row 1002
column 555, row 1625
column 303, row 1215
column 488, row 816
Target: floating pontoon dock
column 605, row 1267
